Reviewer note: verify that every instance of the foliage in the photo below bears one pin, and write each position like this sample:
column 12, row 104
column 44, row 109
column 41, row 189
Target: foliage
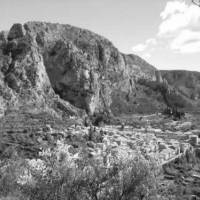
column 171, row 97
column 58, row 174
column 100, row 119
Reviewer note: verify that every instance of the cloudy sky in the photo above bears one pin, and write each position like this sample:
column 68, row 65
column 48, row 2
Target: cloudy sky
column 164, row 32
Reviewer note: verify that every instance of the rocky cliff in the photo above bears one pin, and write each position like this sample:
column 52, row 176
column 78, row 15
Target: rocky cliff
column 24, row 80
column 73, row 70
column 39, row 60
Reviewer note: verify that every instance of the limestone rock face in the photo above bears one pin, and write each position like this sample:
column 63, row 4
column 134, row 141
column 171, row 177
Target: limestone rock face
column 39, row 61
column 54, row 65
column 23, row 77
column 85, row 68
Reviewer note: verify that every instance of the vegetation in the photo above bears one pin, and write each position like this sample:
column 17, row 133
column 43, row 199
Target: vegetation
column 171, row 97
column 60, row 175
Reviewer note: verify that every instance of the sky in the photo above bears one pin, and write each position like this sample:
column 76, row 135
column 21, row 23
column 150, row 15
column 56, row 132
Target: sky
column 166, row 33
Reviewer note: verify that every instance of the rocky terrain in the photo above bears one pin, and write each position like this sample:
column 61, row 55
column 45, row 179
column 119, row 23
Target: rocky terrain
column 81, row 67
column 167, row 143
column 55, row 78
column 40, row 60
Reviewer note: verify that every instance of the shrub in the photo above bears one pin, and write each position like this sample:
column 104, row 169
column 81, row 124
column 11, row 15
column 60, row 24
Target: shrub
column 100, row 119
column 60, row 175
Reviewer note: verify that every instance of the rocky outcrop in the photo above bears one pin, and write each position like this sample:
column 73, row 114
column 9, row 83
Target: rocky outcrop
column 44, row 64
column 24, row 80
column 41, row 59
column 85, row 68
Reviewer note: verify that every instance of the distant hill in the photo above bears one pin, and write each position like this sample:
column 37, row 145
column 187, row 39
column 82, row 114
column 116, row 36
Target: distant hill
column 187, row 82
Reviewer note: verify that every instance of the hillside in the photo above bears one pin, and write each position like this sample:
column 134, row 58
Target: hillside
column 73, row 70
column 41, row 59
column 54, row 81
column 186, row 82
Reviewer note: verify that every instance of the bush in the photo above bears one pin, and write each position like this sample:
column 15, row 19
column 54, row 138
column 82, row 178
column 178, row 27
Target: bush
column 60, row 175
column 101, row 119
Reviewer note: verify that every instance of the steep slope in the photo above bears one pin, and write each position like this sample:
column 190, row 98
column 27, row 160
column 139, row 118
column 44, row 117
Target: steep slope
column 49, row 65
column 187, row 82
column 85, row 68
column 23, row 77
column 175, row 89
column 82, row 67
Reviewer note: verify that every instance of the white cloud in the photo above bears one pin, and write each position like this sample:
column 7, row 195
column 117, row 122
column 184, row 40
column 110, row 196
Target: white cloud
column 147, row 55
column 179, row 30
column 180, row 27
column 178, row 15
column 139, row 47
column 144, row 46
column 186, row 42
column 173, row 7
column 151, row 41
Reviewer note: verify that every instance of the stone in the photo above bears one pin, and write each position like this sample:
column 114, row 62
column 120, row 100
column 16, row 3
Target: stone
column 197, row 153
column 91, row 144
column 194, row 140
column 161, row 146
column 47, row 128
column 184, row 126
